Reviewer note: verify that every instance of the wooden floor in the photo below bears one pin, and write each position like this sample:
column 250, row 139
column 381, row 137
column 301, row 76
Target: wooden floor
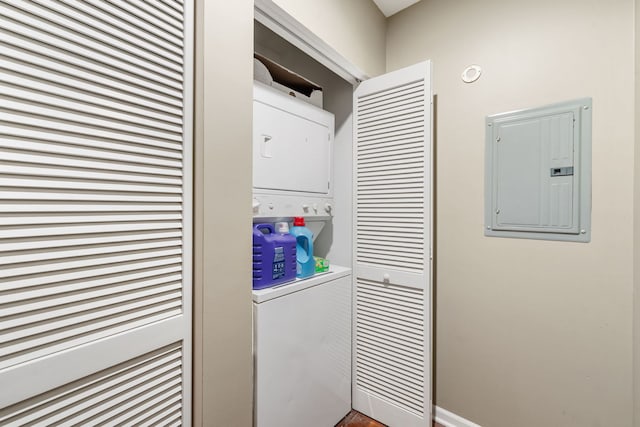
column 356, row 419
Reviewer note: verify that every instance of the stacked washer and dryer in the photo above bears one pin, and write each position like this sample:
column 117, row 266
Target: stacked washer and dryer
column 302, row 329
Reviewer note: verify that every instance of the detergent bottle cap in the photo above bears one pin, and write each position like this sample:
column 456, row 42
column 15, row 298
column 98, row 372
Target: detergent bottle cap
column 298, row 221
column 282, row 227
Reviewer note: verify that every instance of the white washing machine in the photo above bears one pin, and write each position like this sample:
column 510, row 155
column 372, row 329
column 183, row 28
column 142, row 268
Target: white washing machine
column 302, row 351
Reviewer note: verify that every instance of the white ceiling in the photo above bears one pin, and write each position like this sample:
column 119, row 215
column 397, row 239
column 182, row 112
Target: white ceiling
column 389, row 7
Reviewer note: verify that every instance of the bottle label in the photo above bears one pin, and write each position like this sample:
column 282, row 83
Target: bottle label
column 278, row 270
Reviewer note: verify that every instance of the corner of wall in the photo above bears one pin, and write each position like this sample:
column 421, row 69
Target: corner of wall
column 223, row 364
column 636, row 222
column 197, row 220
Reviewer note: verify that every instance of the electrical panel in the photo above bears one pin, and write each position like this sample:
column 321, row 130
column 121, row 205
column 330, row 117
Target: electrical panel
column 538, row 173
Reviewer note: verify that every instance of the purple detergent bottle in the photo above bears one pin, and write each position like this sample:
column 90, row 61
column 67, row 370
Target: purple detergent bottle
column 274, row 257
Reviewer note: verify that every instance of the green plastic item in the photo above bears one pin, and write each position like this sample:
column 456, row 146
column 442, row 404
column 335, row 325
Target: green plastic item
column 322, row 265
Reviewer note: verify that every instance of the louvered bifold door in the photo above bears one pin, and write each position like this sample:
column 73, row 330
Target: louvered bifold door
column 392, row 235
column 95, row 212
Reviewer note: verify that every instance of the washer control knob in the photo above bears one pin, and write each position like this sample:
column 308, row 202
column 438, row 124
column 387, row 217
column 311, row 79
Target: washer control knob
column 328, row 208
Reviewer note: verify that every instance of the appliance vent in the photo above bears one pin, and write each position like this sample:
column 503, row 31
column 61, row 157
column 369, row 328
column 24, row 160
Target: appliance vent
column 391, row 344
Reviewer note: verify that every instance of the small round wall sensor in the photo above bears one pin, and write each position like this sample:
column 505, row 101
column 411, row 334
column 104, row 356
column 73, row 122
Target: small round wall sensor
column 471, row 73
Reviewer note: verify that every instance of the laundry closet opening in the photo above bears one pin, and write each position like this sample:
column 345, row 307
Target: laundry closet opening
column 358, row 336
column 302, row 167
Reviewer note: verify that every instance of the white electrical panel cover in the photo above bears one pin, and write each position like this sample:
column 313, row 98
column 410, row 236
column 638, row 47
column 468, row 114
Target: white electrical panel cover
column 538, row 173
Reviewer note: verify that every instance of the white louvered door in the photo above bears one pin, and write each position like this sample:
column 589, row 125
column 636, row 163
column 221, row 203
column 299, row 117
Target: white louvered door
column 392, row 235
column 95, row 212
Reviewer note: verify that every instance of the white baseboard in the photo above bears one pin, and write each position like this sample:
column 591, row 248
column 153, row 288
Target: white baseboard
column 449, row 419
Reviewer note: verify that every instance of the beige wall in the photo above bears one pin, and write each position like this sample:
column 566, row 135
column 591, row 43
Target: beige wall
column 636, row 263
column 529, row 333
column 222, row 308
column 354, row 28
